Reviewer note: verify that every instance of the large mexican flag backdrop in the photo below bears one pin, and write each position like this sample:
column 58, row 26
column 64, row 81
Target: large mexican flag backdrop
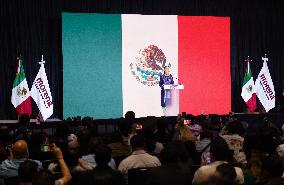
column 112, row 63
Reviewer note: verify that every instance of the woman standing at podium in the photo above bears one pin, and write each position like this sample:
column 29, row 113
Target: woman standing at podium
column 165, row 79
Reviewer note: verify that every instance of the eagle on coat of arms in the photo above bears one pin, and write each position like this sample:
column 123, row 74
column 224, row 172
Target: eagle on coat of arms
column 22, row 92
column 149, row 65
column 249, row 88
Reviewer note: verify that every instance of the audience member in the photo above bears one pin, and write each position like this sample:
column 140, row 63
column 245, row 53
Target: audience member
column 37, row 140
column 18, row 154
column 125, row 125
column 224, row 175
column 5, row 137
column 118, row 147
column 139, row 157
column 89, row 159
column 5, row 141
column 177, row 152
column 23, row 131
column 133, row 131
column 45, row 177
column 151, row 145
column 102, row 174
column 235, row 140
column 130, row 115
column 107, row 178
column 227, row 173
column 254, row 172
column 219, row 154
column 195, row 128
column 89, row 123
column 161, row 134
column 175, row 169
column 184, row 134
column 274, row 169
column 270, row 139
column 72, row 159
column 84, row 136
column 61, row 135
column 103, row 157
column 205, row 139
column 191, row 148
column 26, row 171
column 3, row 153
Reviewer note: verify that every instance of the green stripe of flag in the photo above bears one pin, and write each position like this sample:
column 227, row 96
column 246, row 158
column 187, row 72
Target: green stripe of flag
column 21, row 75
column 92, row 75
column 248, row 74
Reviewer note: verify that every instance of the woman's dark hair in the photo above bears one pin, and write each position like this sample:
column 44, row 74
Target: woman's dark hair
column 93, row 144
column 227, row 172
column 150, row 142
column 165, row 68
column 220, row 150
column 191, row 149
column 71, row 157
column 84, row 136
column 137, row 141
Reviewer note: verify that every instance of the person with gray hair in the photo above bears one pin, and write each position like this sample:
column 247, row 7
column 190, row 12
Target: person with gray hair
column 18, row 153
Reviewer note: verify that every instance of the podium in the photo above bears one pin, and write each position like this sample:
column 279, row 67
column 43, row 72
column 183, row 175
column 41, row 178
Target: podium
column 172, row 99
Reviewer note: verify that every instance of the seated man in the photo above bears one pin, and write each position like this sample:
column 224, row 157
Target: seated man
column 18, row 154
column 220, row 153
column 139, row 157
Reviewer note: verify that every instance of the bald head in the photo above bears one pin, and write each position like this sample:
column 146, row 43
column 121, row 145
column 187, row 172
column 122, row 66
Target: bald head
column 20, row 149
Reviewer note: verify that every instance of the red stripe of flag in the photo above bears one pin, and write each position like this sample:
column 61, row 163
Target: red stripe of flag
column 204, row 64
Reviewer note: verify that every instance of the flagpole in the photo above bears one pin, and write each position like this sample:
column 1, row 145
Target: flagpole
column 42, row 61
column 265, row 59
column 248, row 64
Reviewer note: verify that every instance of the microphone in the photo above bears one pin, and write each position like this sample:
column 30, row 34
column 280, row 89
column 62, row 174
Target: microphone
column 178, row 80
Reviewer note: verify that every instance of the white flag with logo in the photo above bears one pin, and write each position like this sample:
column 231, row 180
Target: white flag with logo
column 265, row 88
column 40, row 92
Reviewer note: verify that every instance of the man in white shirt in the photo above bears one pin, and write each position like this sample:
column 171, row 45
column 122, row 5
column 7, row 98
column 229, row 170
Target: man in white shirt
column 139, row 157
column 219, row 154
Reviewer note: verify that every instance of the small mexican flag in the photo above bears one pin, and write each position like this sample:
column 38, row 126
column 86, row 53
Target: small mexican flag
column 248, row 89
column 20, row 93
